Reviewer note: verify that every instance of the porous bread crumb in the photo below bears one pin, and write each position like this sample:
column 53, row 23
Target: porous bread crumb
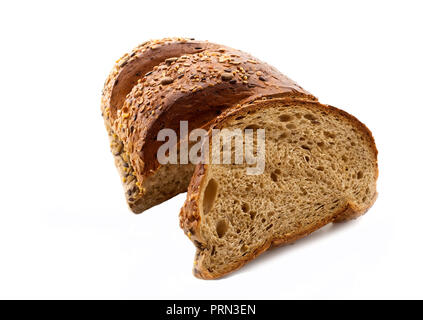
column 321, row 166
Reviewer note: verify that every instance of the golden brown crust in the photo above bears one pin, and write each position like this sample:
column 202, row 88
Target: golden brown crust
column 190, row 216
column 135, row 64
column 165, row 81
column 125, row 74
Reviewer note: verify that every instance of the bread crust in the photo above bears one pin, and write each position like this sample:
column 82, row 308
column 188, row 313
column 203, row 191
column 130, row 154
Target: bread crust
column 190, row 216
column 178, row 79
column 124, row 75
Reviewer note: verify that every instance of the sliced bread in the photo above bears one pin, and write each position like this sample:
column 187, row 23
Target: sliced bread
column 163, row 82
column 320, row 167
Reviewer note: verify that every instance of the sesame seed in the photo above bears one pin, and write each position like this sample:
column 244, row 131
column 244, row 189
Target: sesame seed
column 166, row 80
column 170, row 60
column 226, row 76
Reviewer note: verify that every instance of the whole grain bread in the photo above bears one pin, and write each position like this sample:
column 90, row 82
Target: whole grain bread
column 321, row 167
column 163, row 82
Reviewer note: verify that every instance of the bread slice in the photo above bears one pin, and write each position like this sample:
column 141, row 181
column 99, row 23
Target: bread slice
column 320, row 167
column 163, row 82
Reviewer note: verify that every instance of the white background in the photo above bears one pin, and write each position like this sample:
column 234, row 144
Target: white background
column 65, row 230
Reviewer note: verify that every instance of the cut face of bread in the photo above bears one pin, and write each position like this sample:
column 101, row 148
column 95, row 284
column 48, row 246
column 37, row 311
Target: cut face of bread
column 320, row 167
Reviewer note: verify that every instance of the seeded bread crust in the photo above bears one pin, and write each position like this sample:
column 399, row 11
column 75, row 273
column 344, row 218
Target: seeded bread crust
column 190, row 217
column 165, row 81
column 123, row 77
column 134, row 65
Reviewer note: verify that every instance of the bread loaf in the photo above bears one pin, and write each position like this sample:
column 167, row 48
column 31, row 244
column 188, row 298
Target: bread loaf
column 163, row 82
column 320, row 162
column 321, row 167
